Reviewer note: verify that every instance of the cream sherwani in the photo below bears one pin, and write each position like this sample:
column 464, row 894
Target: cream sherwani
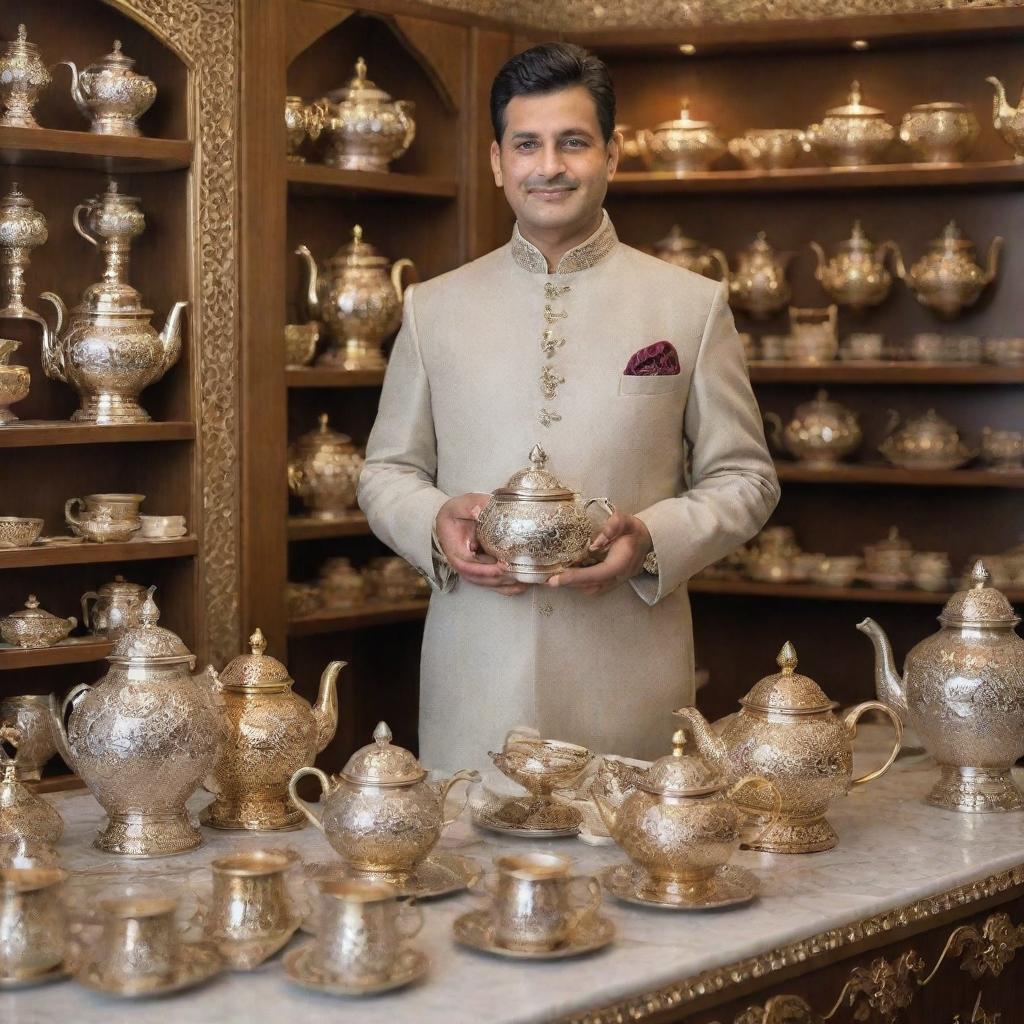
column 499, row 355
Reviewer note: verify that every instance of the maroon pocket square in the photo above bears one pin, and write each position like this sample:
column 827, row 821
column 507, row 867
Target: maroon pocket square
column 657, row 360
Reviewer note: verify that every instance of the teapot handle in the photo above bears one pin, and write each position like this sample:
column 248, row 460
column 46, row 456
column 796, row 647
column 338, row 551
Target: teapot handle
column 592, row 903
column 396, row 275
column 69, row 516
column 74, row 695
column 850, row 721
column 325, row 786
column 603, row 503
column 76, row 219
column 748, row 837
column 466, row 775
column 89, row 595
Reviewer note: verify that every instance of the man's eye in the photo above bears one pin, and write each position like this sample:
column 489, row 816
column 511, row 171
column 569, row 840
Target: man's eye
column 526, row 145
column 576, row 143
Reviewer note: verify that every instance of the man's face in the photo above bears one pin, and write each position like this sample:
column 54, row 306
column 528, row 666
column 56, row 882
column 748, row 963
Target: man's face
column 553, row 162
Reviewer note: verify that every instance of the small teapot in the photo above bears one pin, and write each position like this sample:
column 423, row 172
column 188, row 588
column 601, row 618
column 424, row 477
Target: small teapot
column 681, row 821
column 34, row 627
column 856, row 276
column 680, row 251
column 110, row 94
column 682, row 145
column 819, row 434
column 380, row 813
column 535, row 524
column 115, row 607
column 1007, row 120
column 947, row 278
column 758, row 285
column 29, row 826
column 928, row 442
column 787, row 731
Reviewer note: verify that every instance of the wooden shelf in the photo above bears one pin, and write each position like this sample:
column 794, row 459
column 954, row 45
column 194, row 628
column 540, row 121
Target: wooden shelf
column 318, row 180
column 42, row 433
column 58, row 784
column 369, row 615
column 91, row 554
column 308, row 528
column 75, row 651
column 885, row 373
column 308, row 377
column 810, row 591
column 46, row 147
column 988, row 174
column 851, row 473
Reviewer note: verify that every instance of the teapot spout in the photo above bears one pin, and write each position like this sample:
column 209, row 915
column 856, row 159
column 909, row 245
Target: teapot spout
column 992, row 263
column 325, row 711
column 710, row 745
column 607, row 810
column 888, row 683
column 76, row 86
column 311, row 284
column 1001, row 110
column 170, row 336
column 820, row 256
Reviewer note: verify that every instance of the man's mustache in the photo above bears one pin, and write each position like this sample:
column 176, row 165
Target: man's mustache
column 547, row 183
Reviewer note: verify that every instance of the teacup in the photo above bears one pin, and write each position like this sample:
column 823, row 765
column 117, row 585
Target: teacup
column 864, row 346
column 104, row 517
column 1002, row 449
column 162, row 526
column 928, row 348
column 361, row 925
column 140, row 946
column 773, row 347
column 32, row 921
column 533, row 906
column 250, row 902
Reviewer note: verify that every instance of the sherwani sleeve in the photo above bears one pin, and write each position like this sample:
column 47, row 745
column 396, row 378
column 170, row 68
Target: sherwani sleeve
column 397, row 488
column 733, row 486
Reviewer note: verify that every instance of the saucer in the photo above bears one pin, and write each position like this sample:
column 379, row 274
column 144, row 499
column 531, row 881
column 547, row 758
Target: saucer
column 55, row 973
column 199, row 962
column 247, row 954
column 409, row 966
column 476, row 930
column 528, row 816
column 729, row 886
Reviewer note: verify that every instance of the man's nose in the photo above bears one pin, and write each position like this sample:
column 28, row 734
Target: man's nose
column 552, row 161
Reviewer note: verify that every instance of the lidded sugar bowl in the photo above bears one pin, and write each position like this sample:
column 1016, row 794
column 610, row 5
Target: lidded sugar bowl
column 15, row 380
column 927, row 442
column 787, row 731
column 685, row 144
column 820, row 433
column 365, row 129
column 34, row 627
column 111, row 94
column 272, row 732
column 963, row 692
column 323, row 470
column 677, row 249
column 23, row 76
column 856, row 276
column 851, row 135
column 535, row 524
column 22, row 229
column 381, row 813
column 142, row 739
column 29, row 826
column 940, row 132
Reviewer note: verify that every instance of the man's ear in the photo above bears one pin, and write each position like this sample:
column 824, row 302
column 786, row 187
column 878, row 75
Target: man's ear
column 496, row 163
column 614, row 153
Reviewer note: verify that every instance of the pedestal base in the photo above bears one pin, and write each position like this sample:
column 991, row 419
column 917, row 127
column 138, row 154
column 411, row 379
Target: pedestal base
column 148, row 835
column 253, row 815
column 975, row 791
column 790, row 835
column 352, row 355
column 107, row 408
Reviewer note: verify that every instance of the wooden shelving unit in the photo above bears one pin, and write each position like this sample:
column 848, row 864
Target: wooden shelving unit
column 94, row 554
column 358, row 618
column 892, row 373
column 812, row 592
column 309, row 528
column 310, row 377
column 894, row 476
column 40, row 434
column 110, row 154
column 74, row 651
column 319, row 180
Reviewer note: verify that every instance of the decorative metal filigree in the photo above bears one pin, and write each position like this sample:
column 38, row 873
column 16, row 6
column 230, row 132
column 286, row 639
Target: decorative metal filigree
column 550, row 381
column 549, row 344
column 990, row 949
column 884, row 988
column 779, row 1010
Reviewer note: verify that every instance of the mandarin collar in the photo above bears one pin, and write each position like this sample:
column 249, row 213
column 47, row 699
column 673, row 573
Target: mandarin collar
column 582, row 257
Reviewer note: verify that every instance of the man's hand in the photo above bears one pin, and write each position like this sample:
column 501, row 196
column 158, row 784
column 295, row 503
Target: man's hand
column 627, row 541
column 456, row 533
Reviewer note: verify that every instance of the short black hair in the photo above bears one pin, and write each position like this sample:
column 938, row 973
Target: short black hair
column 549, row 68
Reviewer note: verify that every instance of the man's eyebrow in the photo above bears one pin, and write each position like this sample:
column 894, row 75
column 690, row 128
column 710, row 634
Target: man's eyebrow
column 525, row 135
column 562, row 134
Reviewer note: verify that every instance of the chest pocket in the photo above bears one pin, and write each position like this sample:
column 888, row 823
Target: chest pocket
column 652, row 385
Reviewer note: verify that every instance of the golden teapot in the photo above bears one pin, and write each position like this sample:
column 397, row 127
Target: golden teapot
column 851, row 135
column 1007, row 120
column 682, row 145
column 111, row 94
column 29, row 826
column 947, row 277
column 758, row 285
column 820, row 433
column 680, row 251
column 323, row 471
column 272, row 732
column 535, row 524
column 963, row 692
column 359, row 301
column 381, row 813
column 787, row 731
column 856, row 276
column 928, row 442
column 681, row 820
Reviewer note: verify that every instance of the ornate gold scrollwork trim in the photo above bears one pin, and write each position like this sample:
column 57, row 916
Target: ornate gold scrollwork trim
column 882, row 988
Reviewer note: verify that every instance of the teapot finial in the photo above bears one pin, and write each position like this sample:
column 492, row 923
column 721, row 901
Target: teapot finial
column 678, row 742
column 787, row 659
column 538, row 457
column 684, row 107
column 112, row 187
column 855, row 93
column 150, row 614
column 322, row 420
column 32, row 602
column 357, row 234
column 22, row 34
column 361, row 69
column 117, row 46
column 258, row 642
column 382, row 734
column 980, row 576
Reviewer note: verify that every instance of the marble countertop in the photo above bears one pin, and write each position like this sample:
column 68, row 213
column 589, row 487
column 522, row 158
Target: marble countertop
column 894, row 850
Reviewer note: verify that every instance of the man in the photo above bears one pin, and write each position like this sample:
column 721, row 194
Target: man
column 608, row 358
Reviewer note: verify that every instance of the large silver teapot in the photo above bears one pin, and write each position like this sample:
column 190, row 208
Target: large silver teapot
column 856, row 276
column 142, row 739
column 963, row 692
column 758, row 285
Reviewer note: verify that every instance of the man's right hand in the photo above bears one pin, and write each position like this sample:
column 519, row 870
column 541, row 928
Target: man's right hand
column 455, row 527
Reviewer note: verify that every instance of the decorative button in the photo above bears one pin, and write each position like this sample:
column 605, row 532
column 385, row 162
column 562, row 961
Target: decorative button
column 547, row 417
column 549, row 344
column 545, row 609
column 550, row 382
column 552, row 316
column 553, row 291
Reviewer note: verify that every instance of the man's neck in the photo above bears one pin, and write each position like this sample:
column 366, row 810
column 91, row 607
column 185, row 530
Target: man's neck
column 554, row 245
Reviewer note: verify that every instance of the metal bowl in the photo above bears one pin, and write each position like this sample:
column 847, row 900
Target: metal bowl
column 19, row 532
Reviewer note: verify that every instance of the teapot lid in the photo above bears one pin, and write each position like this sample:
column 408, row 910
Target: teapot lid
column 357, row 253
column 21, row 47
column 148, row 643
column 952, row 238
column 382, row 763
column 893, row 542
column 684, row 122
column 114, row 59
column 33, row 613
column 854, row 107
column 120, row 587
column 676, row 241
column 360, row 87
column 324, row 438
column 822, row 403
column 16, row 198
column 858, row 241
column 535, row 482
column 788, row 691
column 256, row 670
column 982, row 605
column 680, row 773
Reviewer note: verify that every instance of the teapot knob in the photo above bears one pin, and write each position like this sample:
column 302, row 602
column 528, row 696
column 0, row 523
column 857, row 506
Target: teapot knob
column 382, row 734
column 538, row 457
column 787, row 659
column 678, row 742
column 257, row 642
column 980, row 576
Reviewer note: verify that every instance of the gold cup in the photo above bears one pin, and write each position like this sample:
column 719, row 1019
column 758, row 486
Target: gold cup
column 139, row 947
column 361, row 928
column 32, row 921
column 533, row 906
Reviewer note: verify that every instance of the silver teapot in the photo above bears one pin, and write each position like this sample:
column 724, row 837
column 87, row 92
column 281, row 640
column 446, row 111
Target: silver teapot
column 1008, row 120
column 113, row 608
column 680, row 251
column 110, row 94
column 34, row 627
column 758, row 285
column 23, row 76
column 535, row 525
column 928, row 442
column 820, row 433
column 856, row 276
column 940, row 132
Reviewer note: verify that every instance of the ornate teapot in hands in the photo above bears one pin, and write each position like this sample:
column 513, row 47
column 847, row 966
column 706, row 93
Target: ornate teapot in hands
column 820, row 433
column 856, row 276
column 272, row 733
column 682, row 819
column 947, row 278
column 110, row 94
column 682, row 145
column 1007, row 120
column 852, row 135
column 381, row 814
column 358, row 299
column 758, row 285
column 142, row 739
column 963, row 692
column 535, row 524
column 29, row 826
column 787, row 731
column 928, row 442
column 677, row 249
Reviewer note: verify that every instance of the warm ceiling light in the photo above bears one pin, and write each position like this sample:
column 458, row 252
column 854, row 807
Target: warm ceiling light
column 688, row 48
column 860, row 44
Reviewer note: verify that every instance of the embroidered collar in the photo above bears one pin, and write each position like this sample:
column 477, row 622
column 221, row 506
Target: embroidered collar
column 584, row 256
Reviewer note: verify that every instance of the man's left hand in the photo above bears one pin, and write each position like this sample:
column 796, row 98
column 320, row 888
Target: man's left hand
column 627, row 542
